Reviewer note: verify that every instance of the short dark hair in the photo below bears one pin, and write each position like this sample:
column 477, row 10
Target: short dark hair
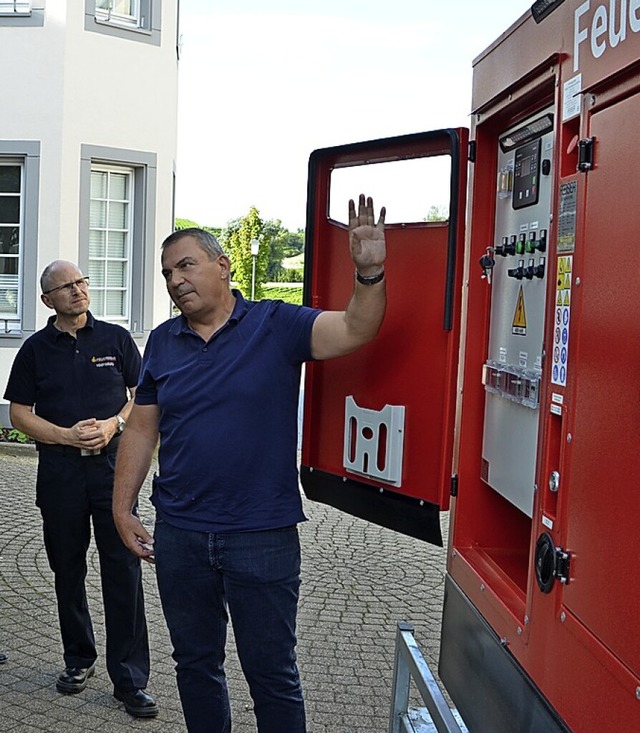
column 207, row 242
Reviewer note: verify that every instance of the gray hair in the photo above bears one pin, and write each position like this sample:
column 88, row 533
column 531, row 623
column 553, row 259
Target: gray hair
column 206, row 241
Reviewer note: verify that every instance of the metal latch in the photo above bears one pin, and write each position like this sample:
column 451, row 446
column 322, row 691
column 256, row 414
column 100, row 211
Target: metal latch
column 563, row 565
column 551, row 563
column 585, row 154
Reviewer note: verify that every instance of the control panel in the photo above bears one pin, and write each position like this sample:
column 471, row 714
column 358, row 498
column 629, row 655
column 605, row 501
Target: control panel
column 516, row 268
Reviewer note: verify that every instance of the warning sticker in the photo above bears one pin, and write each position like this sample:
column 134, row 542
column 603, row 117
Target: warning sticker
column 567, row 216
column 519, row 325
column 562, row 321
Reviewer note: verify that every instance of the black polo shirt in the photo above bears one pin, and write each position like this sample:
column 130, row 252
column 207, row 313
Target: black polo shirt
column 70, row 379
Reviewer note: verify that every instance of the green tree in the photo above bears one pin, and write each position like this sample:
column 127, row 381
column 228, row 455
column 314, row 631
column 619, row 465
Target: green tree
column 181, row 224
column 216, row 231
column 238, row 237
column 282, row 244
column 437, row 213
column 278, row 243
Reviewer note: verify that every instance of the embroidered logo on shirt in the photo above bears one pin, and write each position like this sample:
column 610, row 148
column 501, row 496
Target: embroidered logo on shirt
column 103, row 361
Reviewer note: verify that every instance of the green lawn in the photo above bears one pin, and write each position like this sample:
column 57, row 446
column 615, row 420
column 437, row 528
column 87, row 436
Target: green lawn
column 288, row 294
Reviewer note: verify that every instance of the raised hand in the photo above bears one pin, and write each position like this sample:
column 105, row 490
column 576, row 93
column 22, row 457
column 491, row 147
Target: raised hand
column 366, row 238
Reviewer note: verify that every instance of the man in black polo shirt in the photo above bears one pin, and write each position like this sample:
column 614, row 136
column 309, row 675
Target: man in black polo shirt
column 71, row 388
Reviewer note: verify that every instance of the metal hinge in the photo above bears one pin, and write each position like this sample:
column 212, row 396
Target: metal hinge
column 454, row 485
column 585, row 154
column 471, row 153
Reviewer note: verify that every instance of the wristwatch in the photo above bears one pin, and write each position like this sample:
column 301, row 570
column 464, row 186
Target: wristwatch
column 121, row 423
column 370, row 279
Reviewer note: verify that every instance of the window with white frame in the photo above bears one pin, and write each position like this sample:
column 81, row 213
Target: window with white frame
column 134, row 20
column 110, row 235
column 11, row 214
column 17, row 7
column 22, row 14
column 19, row 216
column 123, row 12
column 117, row 232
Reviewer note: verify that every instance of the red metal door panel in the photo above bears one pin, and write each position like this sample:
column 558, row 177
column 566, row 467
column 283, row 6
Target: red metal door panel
column 605, row 472
column 413, row 361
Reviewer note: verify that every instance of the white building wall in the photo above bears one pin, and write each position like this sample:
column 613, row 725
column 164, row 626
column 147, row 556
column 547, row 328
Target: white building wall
column 70, row 87
column 34, row 94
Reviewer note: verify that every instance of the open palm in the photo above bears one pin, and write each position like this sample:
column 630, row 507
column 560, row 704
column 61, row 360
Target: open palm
column 366, row 238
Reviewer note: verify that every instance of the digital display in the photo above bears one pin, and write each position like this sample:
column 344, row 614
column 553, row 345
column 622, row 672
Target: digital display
column 526, row 175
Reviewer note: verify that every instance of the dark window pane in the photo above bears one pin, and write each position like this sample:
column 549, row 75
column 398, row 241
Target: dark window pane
column 9, row 210
column 9, row 179
column 9, row 240
column 8, row 265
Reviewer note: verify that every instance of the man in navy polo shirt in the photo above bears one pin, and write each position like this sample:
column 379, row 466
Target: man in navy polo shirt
column 219, row 385
column 71, row 388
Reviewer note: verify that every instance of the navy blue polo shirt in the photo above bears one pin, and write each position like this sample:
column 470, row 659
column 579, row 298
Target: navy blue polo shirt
column 70, row 379
column 228, row 417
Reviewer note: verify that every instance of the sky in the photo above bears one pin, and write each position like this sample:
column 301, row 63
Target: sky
column 263, row 83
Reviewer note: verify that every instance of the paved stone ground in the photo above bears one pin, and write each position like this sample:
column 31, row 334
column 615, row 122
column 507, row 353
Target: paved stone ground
column 358, row 580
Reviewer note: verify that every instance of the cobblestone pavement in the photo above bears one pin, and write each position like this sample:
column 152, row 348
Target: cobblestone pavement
column 358, row 580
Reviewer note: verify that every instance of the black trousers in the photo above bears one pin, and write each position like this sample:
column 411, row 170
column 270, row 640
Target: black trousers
column 73, row 491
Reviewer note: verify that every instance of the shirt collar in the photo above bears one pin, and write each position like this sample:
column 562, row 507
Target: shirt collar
column 57, row 333
column 240, row 309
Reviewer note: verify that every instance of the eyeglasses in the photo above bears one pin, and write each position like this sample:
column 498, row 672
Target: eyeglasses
column 82, row 283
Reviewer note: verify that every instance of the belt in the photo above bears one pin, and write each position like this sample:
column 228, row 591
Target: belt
column 111, row 447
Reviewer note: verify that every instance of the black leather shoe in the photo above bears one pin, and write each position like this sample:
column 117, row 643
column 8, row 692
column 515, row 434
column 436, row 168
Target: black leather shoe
column 3, row 658
column 74, row 679
column 137, row 703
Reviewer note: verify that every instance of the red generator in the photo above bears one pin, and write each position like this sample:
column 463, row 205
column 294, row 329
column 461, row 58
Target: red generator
column 505, row 381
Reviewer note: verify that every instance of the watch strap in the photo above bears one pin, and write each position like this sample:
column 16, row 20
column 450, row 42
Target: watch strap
column 370, row 279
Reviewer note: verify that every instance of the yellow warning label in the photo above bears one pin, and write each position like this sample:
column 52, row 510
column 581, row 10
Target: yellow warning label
column 567, row 299
column 519, row 325
column 564, row 265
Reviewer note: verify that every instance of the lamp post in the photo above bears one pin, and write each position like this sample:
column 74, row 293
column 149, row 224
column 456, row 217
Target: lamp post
column 255, row 247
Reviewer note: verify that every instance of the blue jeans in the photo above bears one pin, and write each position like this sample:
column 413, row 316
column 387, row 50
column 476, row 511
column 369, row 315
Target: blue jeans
column 255, row 576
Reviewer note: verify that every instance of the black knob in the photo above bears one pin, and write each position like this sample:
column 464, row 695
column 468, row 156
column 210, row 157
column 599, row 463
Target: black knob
column 501, row 249
column 542, row 241
column 530, row 270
